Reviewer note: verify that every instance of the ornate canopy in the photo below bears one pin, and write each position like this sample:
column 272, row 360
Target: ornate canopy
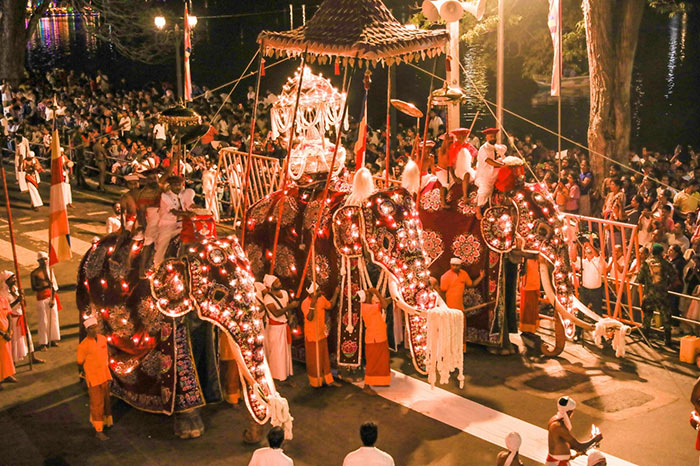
column 355, row 29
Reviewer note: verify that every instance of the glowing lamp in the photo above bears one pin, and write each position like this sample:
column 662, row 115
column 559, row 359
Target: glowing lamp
column 159, row 21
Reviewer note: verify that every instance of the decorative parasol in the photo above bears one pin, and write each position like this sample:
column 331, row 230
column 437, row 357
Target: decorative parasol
column 407, row 108
column 355, row 29
column 179, row 116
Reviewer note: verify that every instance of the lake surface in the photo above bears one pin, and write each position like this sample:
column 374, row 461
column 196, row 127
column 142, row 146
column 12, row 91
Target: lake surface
column 665, row 96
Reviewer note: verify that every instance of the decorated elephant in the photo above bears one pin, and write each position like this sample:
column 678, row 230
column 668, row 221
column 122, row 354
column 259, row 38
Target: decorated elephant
column 163, row 331
column 365, row 238
column 522, row 219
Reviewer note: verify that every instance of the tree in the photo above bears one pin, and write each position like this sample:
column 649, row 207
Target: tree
column 17, row 24
column 612, row 32
column 126, row 24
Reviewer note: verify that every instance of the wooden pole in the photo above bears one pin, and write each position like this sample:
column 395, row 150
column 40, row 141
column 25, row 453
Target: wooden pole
column 425, row 131
column 251, row 144
column 14, row 258
column 285, row 167
column 388, row 123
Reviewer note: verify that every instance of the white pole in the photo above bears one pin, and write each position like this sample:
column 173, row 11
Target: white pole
column 453, row 74
column 291, row 16
column 499, row 68
column 303, row 13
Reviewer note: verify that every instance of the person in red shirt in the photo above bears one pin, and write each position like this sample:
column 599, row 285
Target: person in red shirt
column 377, row 371
column 93, row 355
column 318, row 365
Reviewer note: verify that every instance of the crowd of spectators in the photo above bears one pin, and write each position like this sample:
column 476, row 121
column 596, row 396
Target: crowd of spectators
column 112, row 130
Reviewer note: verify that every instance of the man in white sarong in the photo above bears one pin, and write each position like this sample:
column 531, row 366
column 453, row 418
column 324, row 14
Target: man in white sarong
column 44, row 284
column 175, row 203
column 211, row 201
column 22, row 343
column 559, row 437
column 32, row 168
column 67, row 171
column 487, row 168
column 21, row 152
column 278, row 335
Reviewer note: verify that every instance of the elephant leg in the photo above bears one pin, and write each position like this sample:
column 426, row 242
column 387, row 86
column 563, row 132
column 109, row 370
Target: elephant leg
column 253, row 433
column 189, row 424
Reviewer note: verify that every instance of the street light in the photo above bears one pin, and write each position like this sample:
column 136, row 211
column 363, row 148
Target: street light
column 160, row 22
column 192, row 21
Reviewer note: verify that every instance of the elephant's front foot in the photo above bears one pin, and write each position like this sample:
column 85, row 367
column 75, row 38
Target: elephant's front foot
column 252, row 434
column 189, row 424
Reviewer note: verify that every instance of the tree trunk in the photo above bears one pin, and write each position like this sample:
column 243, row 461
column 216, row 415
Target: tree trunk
column 15, row 31
column 612, row 32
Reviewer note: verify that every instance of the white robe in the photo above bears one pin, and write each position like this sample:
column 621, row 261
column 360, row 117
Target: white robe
column 277, row 351
column 21, row 152
column 169, row 225
column 209, row 190
column 486, row 174
column 34, row 195
column 19, row 341
column 47, row 316
column 67, row 193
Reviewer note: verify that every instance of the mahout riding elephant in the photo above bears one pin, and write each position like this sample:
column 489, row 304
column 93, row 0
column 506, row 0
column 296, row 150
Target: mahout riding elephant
column 361, row 231
column 163, row 331
column 522, row 219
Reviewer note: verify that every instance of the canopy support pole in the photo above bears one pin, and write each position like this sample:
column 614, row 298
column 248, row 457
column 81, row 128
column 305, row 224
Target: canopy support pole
column 251, row 144
column 285, row 167
column 388, row 124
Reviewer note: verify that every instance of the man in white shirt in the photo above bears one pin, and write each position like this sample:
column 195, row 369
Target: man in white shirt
column 272, row 455
column 175, row 203
column 487, row 168
column 677, row 236
column 368, row 454
column 159, row 137
column 592, row 269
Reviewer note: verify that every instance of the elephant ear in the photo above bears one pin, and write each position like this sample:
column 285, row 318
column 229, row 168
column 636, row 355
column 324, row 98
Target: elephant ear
column 498, row 228
column 170, row 287
column 346, row 231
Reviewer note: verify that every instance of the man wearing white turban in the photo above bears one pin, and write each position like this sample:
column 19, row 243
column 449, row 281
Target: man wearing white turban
column 560, row 440
column 22, row 343
column 511, row 457
column 44, row 284
column 278, row 335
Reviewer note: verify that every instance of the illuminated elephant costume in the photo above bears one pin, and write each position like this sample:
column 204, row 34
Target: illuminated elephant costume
column 162, row 331
column 521, row 216
column 362, row 232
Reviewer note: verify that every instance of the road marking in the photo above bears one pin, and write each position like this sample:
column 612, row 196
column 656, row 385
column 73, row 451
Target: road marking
column 96, row 229
column 99, row 212
column 32, row 222
column 471, row 417
column 25, row 257
column 77, row 245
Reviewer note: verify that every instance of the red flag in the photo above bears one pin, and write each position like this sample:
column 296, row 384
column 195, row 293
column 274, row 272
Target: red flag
column 554, row 23
column 361, row 144
column 188, row 50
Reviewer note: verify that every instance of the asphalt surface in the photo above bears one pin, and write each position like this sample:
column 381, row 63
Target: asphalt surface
column 640, row 403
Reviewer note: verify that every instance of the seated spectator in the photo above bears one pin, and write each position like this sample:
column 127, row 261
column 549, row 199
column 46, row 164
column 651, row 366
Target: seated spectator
column 368, row 454
column 677, row 237
column 272, row 455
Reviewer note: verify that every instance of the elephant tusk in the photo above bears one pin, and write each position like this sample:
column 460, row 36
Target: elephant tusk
column 398, row 298
column 552, row 298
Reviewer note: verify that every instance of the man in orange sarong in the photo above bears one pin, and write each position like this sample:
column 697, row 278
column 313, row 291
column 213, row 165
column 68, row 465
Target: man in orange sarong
column 7, row 365
column 377, row 371
column 93, row 355
column 530, row 297
column 453, row 282
column 318, row 364
column 230, row 377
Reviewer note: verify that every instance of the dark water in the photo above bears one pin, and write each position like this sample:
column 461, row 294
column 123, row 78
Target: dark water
column 665, row 96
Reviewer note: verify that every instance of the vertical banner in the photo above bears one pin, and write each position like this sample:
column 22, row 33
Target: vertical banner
column 361, row 144
column 188, row 51
column 59, row 232
column 554, row 23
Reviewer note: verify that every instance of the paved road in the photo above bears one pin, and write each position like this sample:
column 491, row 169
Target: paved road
column 639, row 403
